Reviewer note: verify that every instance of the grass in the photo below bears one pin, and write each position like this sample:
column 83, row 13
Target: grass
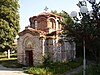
column 56, row 68
column 10, row 63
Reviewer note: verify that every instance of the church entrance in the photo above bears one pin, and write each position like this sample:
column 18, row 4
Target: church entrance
column 29, row 58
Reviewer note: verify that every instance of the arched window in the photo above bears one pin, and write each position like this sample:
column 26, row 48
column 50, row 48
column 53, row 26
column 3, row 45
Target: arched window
column 35, row 24
column 52, row 23
column 42, row 23
column 28, row 43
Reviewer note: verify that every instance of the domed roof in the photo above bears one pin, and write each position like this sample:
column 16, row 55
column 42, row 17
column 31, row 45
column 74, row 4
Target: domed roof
column 46, row 14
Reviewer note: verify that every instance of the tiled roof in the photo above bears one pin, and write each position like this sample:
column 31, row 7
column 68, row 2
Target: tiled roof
column 54, row 33
column 32, row 31
column 46, row 14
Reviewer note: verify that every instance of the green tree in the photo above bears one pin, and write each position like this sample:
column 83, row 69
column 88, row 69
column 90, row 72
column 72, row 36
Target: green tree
column 9, row 22
column 86, row 29
column 67, row 19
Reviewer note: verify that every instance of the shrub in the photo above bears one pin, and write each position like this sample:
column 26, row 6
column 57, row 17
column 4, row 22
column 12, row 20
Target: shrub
column 93, row 70
column 54, row 68
column 38, row 71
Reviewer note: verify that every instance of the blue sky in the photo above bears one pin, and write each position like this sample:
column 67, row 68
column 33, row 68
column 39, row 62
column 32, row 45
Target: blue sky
column 29, row 8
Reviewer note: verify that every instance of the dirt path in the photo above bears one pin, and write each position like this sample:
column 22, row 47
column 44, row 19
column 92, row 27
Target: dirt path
column 11, row 71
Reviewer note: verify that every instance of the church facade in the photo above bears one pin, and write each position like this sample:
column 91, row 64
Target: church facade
column 41, row 38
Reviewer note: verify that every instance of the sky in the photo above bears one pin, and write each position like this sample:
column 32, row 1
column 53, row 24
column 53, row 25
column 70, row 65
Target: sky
column 29, row 8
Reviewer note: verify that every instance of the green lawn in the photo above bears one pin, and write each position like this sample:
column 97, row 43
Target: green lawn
column 10, row 63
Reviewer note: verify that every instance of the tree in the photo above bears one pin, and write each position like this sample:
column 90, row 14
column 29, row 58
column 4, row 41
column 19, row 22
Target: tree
column 87, row 28
column 67, row 19
column 9, row 22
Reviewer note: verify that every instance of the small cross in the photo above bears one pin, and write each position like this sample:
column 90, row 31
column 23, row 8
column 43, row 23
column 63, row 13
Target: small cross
column 46, row 8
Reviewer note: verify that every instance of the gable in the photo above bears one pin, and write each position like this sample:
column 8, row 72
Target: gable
column 29, row 30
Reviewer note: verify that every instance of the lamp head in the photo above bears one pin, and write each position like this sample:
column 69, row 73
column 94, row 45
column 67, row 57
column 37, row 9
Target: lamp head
column 83, row 9
column 92, row 1
column 73, row 14
column 91, row 13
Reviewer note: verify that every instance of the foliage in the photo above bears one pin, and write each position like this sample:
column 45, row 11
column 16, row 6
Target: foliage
column 37, row 71
column 55, row 68
column 4, row 55
column 14, row 48
column 9, row 22
column 67, row 19
column 86, row 28
column 60, row 41
column 47, row 61
column 93, row 69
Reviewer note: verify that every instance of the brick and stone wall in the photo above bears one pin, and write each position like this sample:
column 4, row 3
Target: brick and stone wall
column 36, row 49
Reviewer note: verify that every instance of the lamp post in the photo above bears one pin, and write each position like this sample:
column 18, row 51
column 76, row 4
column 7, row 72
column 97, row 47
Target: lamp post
column 85, row 15
column 74, row 14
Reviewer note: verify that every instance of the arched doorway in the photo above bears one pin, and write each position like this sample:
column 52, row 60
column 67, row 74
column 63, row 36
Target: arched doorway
column 28, row 43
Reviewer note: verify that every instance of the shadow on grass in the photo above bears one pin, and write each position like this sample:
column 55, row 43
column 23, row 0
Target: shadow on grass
column 10, row 63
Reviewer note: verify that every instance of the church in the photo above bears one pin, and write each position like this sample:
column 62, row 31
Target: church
column 42, row 37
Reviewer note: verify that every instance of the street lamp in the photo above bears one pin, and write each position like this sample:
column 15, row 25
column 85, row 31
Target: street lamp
column 93, row 15
column 83, row 10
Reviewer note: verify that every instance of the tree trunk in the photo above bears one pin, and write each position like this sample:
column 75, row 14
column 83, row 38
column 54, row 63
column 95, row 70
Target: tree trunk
column 8, row 53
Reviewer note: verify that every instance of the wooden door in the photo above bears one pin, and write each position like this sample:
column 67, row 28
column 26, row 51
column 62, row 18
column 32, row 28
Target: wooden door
column 29, row 58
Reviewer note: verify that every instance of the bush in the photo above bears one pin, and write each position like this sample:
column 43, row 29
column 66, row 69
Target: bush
column 38, row 71
column 54, row 68
column 93, row 70
column 75, row 63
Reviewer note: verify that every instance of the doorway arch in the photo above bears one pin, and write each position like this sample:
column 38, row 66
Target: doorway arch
column 28, row 46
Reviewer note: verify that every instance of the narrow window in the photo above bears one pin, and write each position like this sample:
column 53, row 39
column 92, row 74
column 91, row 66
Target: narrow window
column 35, row 24
column 52, row 22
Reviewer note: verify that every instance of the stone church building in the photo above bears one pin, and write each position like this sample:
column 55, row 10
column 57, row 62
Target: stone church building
column 42, row 37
